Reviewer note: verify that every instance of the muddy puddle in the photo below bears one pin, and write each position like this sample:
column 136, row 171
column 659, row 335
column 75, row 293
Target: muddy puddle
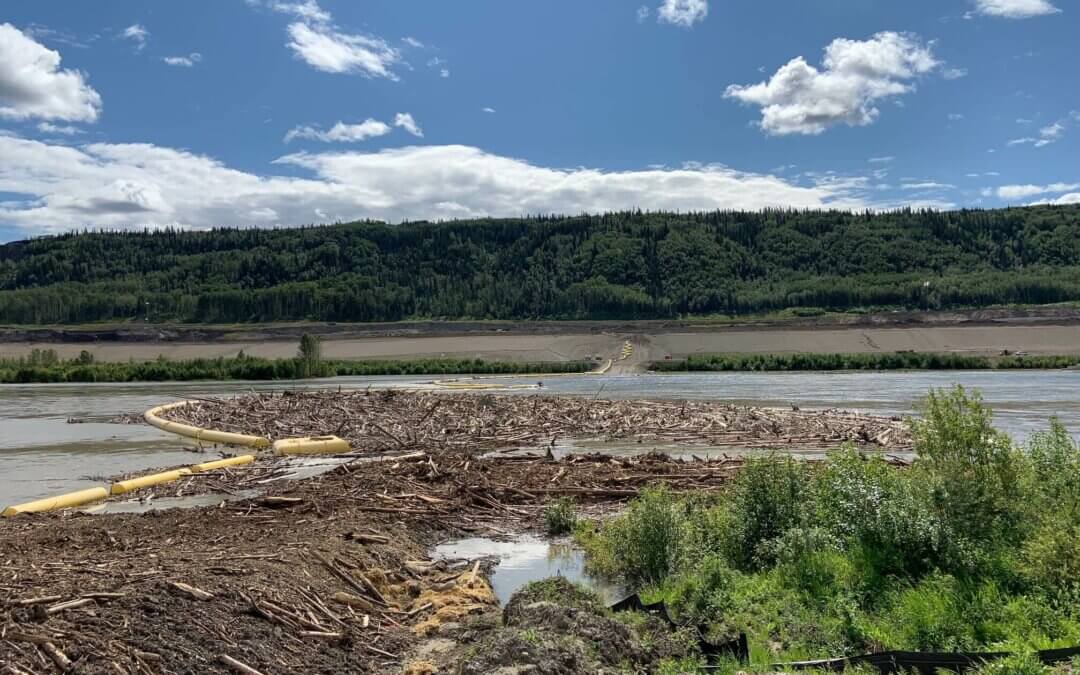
column 528, row 558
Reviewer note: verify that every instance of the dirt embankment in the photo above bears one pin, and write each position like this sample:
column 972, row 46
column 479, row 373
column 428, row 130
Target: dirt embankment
column 1046, row 330
column 327, row 575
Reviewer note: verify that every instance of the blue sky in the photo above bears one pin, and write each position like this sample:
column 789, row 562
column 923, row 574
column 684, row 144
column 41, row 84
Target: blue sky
column 271, row 112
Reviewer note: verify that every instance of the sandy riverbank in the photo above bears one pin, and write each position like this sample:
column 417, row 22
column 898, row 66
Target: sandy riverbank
column 649, row 345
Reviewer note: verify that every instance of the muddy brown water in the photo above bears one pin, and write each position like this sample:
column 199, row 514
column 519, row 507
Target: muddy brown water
column 42, row 454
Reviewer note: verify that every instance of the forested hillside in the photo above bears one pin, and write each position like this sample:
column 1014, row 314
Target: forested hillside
column 620, row 265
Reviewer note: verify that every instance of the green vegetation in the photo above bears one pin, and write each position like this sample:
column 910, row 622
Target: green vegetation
column 613, row 266
column 46, row 366
column 560, row 517
column 869, row 361
column 975, row 547
column 309, row 356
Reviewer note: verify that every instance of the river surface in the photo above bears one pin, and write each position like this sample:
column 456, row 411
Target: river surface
column 42, row 454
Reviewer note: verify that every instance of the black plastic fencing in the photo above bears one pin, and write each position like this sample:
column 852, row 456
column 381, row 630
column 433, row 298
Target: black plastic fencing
column 884, row 662
column 737, row 648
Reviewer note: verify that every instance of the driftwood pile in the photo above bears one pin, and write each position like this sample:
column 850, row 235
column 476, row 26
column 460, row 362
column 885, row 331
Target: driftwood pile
column 332, row 575
column 462, row 492
column 379, row 421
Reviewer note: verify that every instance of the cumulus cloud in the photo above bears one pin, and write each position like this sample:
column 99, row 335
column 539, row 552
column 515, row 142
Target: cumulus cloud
column 183, row 61
column 1015, row 9
column 642, row 13
column 802, row 99
column 489, row 110
column 1016, row 192
column 136, row 185
column 138, row 34
column 406, row 122
column 32, row 84
column 341, row 132
column 683, row 13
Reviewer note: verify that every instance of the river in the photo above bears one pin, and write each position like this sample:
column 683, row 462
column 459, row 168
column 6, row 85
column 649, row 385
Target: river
column 42, row 454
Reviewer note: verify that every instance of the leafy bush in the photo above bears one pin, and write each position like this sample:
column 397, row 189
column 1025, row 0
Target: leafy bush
column 975, row 547
column 974, row 473
column 768, row 498
column 647, row 538
column 560, row 517
column 879, row 512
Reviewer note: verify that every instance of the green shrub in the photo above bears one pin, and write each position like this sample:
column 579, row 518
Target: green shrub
column 974, row 474
column 704, row 592
column 646, row 540
column 768, row 498
column 1051, row 559
column 560, row 517
column 885, row 515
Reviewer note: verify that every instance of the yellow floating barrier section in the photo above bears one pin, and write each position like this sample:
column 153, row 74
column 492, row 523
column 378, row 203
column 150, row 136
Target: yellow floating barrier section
column 125, row 486
column 152, row 417
column 313, row 445
column 59, row 502
column 222, row 463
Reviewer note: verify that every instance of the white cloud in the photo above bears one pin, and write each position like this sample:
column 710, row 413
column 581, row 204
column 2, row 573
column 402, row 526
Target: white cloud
column 325, row 49
column 445, row 72
column 955, row 117
column 412, row 42
column 183, row 61
column 406, row 122
column 1016, row 192
column 642, row 13
column 32, row 85
column 138, row 34
column 1071, row 198
column 683, row 13
column 66, row 130
column 1052, row 133
column 135, row 185
column 317, row 41
column 954, row 73
column 928, row 185
column 489, row 110
column 801, row 99
column 341, row 132
column 1015, row 9
column 305, row 11
column 881, row 160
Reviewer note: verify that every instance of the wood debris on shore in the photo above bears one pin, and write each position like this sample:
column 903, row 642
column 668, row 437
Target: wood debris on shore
column 331, row 574
column 390, row 420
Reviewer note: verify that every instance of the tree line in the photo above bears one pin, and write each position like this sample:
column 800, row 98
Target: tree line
column 624, row 265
